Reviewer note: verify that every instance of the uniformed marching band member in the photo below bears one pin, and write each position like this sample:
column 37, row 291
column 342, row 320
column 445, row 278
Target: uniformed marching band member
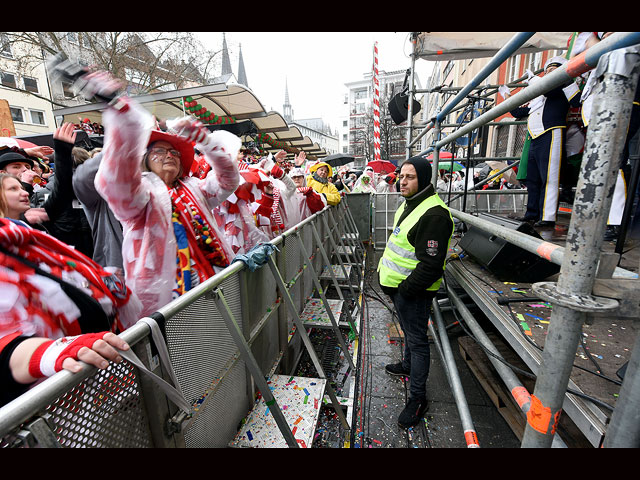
column 410, row 272
column 620, row 191
column 546, row 124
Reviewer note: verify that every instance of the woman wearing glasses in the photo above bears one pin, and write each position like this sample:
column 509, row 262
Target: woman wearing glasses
column 171, row 241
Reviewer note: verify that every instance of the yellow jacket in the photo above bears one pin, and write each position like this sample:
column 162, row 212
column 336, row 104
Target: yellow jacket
column 329, row 189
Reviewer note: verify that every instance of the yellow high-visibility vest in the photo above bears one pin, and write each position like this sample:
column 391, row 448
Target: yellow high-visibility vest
column 399, row 257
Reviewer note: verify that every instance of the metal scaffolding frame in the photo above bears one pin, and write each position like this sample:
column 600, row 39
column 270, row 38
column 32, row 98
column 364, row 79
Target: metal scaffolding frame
column 617, row 63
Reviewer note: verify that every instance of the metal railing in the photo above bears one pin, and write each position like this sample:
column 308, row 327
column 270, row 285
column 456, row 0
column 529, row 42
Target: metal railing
column 124, row 406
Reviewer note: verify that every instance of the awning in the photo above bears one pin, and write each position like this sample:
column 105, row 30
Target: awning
column 223, row 99
column 456, row 45
column 227, row 100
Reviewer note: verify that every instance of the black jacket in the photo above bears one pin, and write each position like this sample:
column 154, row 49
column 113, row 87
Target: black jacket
column 430, row 237
column 554, row 113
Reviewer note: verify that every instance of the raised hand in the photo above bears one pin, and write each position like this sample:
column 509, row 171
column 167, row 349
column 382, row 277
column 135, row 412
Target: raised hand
column 66, row 133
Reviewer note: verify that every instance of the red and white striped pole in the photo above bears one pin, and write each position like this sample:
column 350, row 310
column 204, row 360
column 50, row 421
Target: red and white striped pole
column 376, row 104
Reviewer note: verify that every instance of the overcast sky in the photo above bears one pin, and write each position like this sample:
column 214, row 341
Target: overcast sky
column 315, row 65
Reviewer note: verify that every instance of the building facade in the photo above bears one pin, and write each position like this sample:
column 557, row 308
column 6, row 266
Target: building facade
column 356, row 124
column 24, row 91
column 448, row 77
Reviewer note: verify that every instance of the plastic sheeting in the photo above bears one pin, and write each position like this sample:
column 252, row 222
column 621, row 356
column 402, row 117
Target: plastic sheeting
column 456, row 45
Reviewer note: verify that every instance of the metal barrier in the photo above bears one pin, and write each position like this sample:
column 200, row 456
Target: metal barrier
column 124, row 406
column 493, row 201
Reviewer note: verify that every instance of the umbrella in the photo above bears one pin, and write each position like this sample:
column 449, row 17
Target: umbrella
column 457, row 166
column 338, row 159
column 16, row 142
column 382, row 166
column 443, row 155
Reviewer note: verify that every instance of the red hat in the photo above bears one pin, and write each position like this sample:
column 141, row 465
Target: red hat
column 181, row 144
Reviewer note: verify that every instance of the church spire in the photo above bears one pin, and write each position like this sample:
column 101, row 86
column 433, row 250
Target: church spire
column 287, row 110
column 242, row 74
column 226, row 63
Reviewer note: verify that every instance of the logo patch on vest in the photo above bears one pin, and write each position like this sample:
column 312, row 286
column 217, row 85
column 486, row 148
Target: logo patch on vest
column 432, row 248
column 396, row 231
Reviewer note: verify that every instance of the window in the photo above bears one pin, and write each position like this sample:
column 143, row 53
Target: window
column 67, row 89
column 360, row 94
column 37, row 117
column 8, row 79
column 344, row 123
column 5, row 46
column 30, row 84
column 17, row 115
column 513, row 68
column 535, row 62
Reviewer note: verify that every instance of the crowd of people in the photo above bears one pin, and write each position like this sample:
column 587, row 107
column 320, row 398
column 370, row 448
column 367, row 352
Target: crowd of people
column 93, row 240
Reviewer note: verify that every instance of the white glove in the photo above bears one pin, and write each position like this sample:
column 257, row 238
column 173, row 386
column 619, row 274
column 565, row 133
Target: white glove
column 504, row 91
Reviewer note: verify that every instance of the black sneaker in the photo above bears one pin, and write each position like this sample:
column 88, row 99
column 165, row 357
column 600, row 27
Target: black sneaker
column 545, row 224
column 413, row 412
column 611, row 233
column 396, row 369
column 525, row 219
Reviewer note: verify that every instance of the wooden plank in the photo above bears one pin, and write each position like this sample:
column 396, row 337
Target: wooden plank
column 493, row 385
column 7, row 128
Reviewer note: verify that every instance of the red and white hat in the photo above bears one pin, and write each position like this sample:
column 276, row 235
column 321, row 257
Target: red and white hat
column 184, row 146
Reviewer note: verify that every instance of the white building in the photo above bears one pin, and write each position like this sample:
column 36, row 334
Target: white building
column 30, row 115
column 357, row 110
column 318, row 132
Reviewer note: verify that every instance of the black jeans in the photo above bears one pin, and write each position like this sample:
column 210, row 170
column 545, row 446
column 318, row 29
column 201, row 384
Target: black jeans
column 414, row 317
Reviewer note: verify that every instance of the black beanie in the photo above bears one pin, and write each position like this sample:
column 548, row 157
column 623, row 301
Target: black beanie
column 423, row 169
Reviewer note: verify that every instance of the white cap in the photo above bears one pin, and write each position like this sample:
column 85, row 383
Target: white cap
column 296, row 172
column 558, row 59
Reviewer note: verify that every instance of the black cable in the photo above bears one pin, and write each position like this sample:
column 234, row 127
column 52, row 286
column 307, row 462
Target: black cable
column 524, row 372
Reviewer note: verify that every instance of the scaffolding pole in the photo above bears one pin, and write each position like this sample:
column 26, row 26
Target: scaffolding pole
column 571, row 297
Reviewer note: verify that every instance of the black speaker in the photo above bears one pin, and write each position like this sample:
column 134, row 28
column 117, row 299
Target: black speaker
column 506, row 261
column 399, row 108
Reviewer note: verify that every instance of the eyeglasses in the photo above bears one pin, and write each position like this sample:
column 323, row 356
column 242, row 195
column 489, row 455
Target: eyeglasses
column 161, row 151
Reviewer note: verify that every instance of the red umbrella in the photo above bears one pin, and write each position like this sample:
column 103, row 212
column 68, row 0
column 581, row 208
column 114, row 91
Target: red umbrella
column 442, row 156
column 16, row 142
column 382, row 166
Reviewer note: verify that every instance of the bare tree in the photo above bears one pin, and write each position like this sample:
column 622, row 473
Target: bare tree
column 390, row 133
column 148, row 61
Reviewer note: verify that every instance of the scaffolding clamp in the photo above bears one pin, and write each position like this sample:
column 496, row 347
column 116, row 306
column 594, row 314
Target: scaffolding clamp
column 583, row 303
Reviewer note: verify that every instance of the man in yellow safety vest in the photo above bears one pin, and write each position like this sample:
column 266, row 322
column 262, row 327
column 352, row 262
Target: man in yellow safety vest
column 410, row 271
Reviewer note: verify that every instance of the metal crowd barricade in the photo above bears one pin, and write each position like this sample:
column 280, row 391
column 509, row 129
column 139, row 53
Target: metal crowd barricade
column 225, row 339
column 491, row 201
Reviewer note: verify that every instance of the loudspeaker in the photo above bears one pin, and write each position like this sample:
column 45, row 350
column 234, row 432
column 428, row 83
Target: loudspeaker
column 399, row 108
column 506, row 261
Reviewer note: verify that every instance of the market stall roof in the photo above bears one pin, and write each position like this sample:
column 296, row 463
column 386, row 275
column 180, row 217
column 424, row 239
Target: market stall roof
column 455, row 45
column 270, row 122
column 223, row 99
